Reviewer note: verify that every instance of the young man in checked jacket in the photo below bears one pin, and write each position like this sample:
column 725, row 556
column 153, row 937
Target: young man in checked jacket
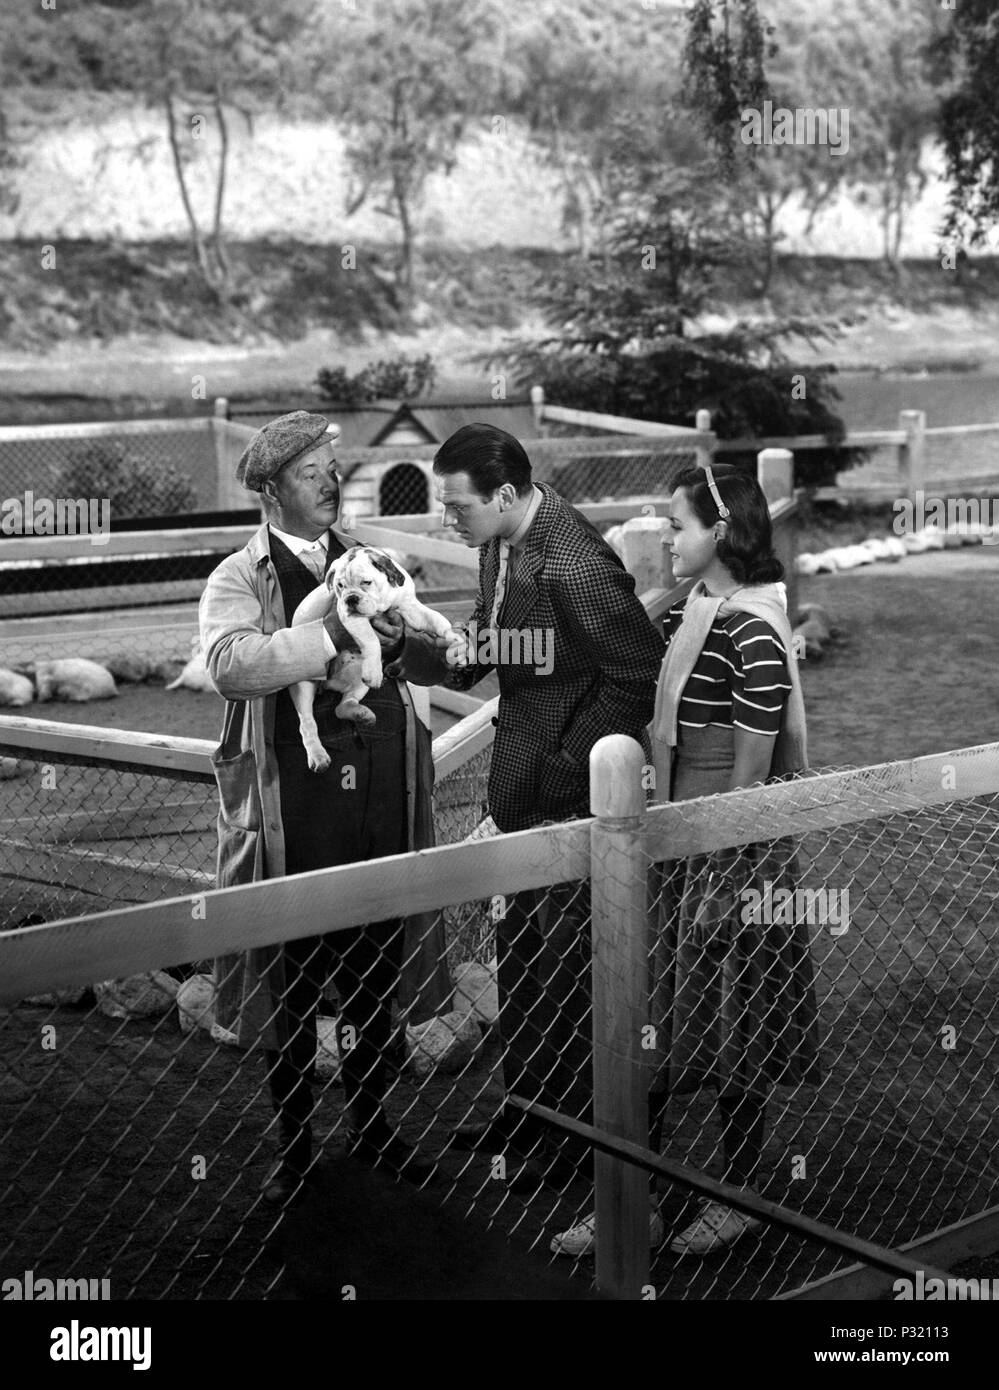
column 596, row 657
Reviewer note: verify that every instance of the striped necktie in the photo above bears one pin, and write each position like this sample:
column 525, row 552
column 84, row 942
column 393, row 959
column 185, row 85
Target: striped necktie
column 507, row 567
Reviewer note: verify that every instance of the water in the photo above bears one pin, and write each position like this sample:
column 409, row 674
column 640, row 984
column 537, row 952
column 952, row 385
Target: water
column 872, row 401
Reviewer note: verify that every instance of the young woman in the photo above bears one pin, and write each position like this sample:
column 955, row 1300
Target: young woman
column 732, row 997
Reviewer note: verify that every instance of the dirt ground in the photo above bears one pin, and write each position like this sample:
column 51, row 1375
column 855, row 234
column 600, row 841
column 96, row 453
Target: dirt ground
column 912, row 673
column 915, row 672
column 98, row 1137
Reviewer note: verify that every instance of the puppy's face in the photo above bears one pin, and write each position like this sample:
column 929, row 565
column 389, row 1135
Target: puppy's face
column 365, row 581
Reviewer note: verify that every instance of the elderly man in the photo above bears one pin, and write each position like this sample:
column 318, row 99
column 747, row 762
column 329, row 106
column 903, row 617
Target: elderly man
column 589, row 668
column 278, row 817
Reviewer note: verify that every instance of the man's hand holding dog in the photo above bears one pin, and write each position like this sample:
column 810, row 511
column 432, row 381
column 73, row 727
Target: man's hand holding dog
column 390, row 631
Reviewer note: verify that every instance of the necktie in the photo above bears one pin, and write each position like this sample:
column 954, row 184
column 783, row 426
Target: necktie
column 314, row 559
column 506, row 563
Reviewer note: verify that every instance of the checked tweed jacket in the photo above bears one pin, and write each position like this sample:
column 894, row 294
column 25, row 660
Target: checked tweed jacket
column 571, row 585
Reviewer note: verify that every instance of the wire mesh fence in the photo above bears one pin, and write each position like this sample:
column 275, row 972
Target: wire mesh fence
column 140, row 1114
column 144, row 468
column 857, row 997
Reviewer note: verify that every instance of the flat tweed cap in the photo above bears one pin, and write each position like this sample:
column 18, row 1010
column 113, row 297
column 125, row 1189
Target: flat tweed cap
column 278, row 442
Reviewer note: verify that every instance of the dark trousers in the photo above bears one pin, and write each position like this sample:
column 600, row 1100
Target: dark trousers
column 544, row 960
column 356, row 810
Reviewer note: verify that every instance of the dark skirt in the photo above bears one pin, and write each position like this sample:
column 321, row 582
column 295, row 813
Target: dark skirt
column 733, row 1002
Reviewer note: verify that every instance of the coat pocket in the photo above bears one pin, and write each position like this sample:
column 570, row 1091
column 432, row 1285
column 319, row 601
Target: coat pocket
column 239, row 799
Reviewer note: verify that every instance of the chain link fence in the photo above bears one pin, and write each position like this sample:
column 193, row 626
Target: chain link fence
column 138, row 1126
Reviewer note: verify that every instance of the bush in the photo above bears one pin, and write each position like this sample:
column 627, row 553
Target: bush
column 394, row 378
column 134, row 486
column 747, row 400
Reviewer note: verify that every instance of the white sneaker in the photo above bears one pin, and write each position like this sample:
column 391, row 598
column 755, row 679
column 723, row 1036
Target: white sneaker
column 582, row 1239
column 716, row 1228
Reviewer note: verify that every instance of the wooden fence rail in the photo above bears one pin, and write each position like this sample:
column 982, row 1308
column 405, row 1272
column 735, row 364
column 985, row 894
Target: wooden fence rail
column 614, row 849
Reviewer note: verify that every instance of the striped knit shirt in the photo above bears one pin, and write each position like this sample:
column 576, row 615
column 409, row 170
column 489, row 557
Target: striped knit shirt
column 740, row 677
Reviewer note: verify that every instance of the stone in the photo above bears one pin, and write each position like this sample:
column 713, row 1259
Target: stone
column 476, row 991
column 60, row 998
column 196, row 1003
column 815, row 614
column 16, row 689
column 137, row 996
column 327, row 1051
column 14, row 767
column 443, row 1044
column 73, row 678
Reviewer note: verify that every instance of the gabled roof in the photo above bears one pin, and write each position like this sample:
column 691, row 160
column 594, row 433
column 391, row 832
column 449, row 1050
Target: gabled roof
column 366, row 426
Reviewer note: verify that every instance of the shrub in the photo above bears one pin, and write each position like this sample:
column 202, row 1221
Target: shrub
column 134, row 486
column 394, row 378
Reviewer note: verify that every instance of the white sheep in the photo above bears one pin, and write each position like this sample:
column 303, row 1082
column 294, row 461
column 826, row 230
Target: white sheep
column 195, row 674
column 73, row 678
column 15, row 689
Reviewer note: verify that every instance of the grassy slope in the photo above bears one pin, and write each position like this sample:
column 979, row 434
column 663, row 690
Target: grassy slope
column 133, row 322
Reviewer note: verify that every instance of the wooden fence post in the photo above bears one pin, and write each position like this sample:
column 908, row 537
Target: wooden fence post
column 538, row 406
column 912, row 454
column 705, row 447
column 775, row 475
column 620, row 1010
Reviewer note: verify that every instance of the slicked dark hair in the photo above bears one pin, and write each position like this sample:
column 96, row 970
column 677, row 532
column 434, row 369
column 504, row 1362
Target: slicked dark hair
column 747, row 548
column 490, row 456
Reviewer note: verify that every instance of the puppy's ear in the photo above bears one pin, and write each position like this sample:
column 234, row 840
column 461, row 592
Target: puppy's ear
column 385, row 566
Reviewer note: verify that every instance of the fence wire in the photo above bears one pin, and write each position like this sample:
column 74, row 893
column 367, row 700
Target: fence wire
column 138, row 1126
column 849, row 979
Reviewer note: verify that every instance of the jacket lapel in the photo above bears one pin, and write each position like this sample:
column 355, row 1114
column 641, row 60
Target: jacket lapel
column 523, row 593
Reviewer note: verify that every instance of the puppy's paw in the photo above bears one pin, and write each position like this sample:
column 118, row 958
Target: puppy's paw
column 319, row 759
column 354, row 712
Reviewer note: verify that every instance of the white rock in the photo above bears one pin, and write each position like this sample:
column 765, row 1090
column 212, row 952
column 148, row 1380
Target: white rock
column 56, row 997
column 196, row 1003
column 476, row 992
column 815, row 614
column 129, row 667
column 327, row 1051
column 15, row 690
column 843, row 558
column 138, row 996
column 446, row 1043
column 14, row 767
column 222, row 1035
column 73, row 678
column 876, row 547
column 914, row 542
column 195, row 674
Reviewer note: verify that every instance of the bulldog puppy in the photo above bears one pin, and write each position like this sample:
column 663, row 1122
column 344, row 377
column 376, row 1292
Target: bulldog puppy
column 363, row 582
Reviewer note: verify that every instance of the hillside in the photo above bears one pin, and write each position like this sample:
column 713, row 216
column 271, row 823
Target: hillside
column 129, row 327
